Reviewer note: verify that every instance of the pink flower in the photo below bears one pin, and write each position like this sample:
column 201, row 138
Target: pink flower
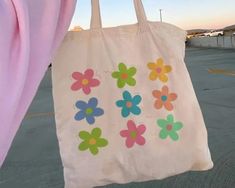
column 84, row 81
column 133, row 134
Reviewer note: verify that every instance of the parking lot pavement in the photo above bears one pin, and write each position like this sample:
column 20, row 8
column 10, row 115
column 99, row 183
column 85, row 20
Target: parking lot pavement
column 34, row 160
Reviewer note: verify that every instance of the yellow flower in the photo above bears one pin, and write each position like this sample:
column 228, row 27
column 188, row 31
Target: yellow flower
column 159, row 70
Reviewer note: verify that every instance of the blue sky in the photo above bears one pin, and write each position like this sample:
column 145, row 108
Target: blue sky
column 187, row 14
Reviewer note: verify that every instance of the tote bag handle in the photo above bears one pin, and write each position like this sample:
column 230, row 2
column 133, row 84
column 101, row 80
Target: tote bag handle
column 96, row 22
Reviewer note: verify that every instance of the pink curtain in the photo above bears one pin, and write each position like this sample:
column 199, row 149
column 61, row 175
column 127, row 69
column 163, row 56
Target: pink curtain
column 30, row 31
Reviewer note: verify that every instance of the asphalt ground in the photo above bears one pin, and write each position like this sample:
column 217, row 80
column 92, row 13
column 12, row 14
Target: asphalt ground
column 34, row 161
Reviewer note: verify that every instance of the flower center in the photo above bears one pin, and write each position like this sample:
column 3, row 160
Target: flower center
column 89, row 111
column 133, row 134
column 169, row 127
column 92, row 141
column 164, row 98
column 124, row 76
column 158, row 70
column 128, row 104
column 85, row 82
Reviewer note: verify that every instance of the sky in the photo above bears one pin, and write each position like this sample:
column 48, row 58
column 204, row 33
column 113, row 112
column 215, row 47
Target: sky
column 187, row 14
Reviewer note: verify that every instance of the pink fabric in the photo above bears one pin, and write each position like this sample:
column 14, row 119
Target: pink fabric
column 30, row 31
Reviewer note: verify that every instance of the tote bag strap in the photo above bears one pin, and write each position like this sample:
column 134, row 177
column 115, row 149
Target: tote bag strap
column 140, row 12
column 96, row 22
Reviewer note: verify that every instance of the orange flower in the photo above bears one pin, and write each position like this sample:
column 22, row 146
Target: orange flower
column 164, row 98
column 159, row 70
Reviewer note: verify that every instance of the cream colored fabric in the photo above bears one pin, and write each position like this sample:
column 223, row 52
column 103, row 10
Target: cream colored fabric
column 158, row 147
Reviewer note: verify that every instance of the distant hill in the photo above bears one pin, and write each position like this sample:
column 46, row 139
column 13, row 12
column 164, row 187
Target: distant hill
column 197, row 31
column 231, row 27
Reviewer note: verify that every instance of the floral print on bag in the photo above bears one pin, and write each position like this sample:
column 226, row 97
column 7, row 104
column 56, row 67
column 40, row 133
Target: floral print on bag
column 124, row 75
column 92, row 141
column 88, row 110
column 84, row 81
column 129, row 104
column 159, row 70
column 164, row 98
column 134, row 134
column 169, row 128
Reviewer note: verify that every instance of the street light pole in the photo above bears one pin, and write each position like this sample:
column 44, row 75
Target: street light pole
column 160, row 14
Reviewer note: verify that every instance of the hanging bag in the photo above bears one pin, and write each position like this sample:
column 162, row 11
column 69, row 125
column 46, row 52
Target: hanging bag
column 125, row 107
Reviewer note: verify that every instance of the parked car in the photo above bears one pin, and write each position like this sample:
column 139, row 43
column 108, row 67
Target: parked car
column 214, row 33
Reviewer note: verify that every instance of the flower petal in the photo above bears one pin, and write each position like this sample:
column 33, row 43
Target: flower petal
column 94, row 150
column 167, row 68
column 90, row 119
column 77, row 75
column 141, row 129
column 157, row 94
column 129, row 142
column 170, row 118
column 162, row 123
column 135, row 110
column 160, row 62
column 80, row 116
column 140, row 140
column 124, row 133
column 96, row 132
column 122, row 67
column 131, row 81
column 163, row 78
column 86, row 90
column 92, row 103
column 98, row 112
column 120, row 103
column 177, row 126
column 158, row 104
column 163, row 134
column 121, row 83
column 172, row 96
column 76, row 86
column 89, row 73
column 125, row 112
column 131, row 71
column 84, row 135
column 81, row 105
column 165, row 90
column 116, row 74
column 101, row 142
column 174, row 135
column 152, row 66
column 94, row 83
column 137, row 99
column 131, row 126
column 153, row 75
column 168, row 106
column 127, row 96
column 83, row 146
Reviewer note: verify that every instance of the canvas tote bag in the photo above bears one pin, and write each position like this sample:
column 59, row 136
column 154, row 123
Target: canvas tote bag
column 125, row 107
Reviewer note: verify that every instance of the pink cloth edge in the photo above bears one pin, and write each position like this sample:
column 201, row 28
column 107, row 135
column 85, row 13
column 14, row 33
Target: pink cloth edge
column 25, row 61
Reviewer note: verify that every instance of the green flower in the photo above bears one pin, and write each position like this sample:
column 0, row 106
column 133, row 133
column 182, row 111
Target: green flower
column 169, row 128
column 124, row 76
column 92, row 141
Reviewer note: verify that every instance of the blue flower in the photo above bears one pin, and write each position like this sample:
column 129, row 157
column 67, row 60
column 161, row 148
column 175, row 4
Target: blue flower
column 88, row 110
column 129, row 104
